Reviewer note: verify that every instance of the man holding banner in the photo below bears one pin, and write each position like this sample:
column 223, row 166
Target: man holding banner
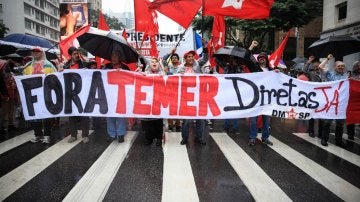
column 192, row 66
column 263, row 65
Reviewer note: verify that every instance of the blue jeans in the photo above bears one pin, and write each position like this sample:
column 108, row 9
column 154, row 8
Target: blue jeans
column 265, row 127
column 231, row 122
column 116, row 126
column 200, row 124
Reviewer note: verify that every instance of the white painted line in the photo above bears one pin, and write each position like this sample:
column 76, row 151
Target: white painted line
column 329, row 180
column 338, row 151
column 16, row 141
column 178, row 179
column 96, row 181
column 259, row 184
column 12, row 181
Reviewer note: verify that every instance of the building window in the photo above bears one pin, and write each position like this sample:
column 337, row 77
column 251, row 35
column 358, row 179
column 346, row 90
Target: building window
column 1, row 10
column 27, row 24
column 37, row 2
column 342, row 10
column 37, row 28
column 27, row 9
column 43, row 30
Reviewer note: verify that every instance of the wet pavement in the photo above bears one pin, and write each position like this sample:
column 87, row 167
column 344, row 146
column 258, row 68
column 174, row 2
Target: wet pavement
column 297, row 167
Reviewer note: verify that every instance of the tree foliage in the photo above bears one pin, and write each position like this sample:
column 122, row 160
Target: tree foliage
column 111, row 21
column 284, row 15
column 3, row 30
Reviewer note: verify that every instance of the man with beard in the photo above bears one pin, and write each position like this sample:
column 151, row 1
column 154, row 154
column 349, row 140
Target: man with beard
column 76, row 63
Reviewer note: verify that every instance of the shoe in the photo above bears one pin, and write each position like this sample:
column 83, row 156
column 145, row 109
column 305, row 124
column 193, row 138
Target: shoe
column 351, row 138
column 46, row 140
column 158, row 142
column 110, row 139
column 170, row 128
column 85, row 140
column 120, row 138
column 148, row 142
column 200, row 141
column 311, row 134
column 183, row 141
column 178, row 128
column 324, row 142
column 251, row 142
column 35, row 139
column 267, row 141
column 72, row 139
column 340, row 143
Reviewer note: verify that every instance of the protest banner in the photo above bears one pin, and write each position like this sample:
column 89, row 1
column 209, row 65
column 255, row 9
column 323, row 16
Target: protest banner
column 129, row 94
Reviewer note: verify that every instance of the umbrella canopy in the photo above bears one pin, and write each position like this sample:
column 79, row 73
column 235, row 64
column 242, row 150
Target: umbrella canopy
column 27, row 52
column 338, row 46
column 6, row 49
column 299, row 60
column 101, row 43
column 12, row 56
column 29, row 40
column 224, row 52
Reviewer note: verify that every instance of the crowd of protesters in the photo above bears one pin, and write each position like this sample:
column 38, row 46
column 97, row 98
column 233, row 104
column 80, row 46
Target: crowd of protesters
column 313, row 70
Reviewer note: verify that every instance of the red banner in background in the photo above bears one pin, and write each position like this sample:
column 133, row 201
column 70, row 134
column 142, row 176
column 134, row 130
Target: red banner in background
column 353, row 109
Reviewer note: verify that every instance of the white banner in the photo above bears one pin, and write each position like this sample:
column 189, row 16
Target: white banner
column 128, row 94
column 164, row 42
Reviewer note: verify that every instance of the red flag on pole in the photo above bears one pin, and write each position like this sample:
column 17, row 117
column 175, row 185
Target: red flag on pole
column 124, row 34
column 243, row 9
column 69, row 41
column 217, row 39
column 102, row 22
column 353, row 109
column 181, row 11
column 274, row 58
column 145, row 18
column 103, row 26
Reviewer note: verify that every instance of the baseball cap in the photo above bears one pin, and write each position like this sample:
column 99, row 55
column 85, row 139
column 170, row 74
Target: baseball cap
column 36, row 48
column 190, row 52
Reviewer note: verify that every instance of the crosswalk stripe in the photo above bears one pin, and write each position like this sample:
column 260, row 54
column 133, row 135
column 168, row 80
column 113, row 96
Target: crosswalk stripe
column 12, row 181
column 16, row 141
column 96, row 181
column 260, row 185
column 332, row 182
column 178, row 180
column 340, row 152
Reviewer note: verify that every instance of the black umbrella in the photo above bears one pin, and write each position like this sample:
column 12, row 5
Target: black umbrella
column 101, row 43
column 6, row 49
column 12, row 56
column 240, row 53
column 338, row 46
column 27, row 52
column 299, row 60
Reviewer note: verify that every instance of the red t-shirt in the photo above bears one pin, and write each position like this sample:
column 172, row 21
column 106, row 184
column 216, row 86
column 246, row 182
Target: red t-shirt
column 74, row 66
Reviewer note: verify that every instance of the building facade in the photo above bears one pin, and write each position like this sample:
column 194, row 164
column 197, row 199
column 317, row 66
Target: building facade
column 35, row 17
column 342, row 17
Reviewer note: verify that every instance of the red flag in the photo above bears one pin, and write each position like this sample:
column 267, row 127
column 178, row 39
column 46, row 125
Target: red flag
column 244, row 9
column 103, row 26
column 145, row 18
column 69, row 41
column 102, row 22
column 274, row 58
column 218, row 31
column 217, row 39
column 124, row 34
column 181, row 11
column 353, row 108
column 153, row 51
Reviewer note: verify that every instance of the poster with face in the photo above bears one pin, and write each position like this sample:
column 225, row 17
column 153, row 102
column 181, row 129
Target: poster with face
column 74, row 14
